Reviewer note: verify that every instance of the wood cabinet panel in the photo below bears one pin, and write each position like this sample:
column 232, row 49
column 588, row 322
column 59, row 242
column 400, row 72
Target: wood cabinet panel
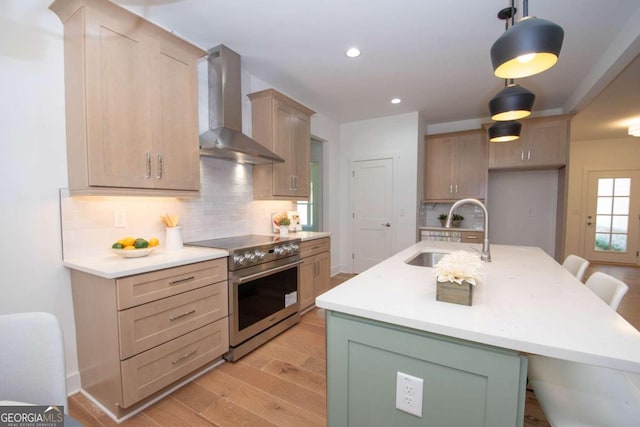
column 159, row 367
column 455, row 166
column 147, row 287
column 543, row 144
column 131, row 103
column 315, row 270
column 284, row 127
column 149, row 325
column 139, row 334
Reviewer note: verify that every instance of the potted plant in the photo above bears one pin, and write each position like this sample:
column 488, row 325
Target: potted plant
column 455, row 220
column 456, row 275
column 284, row 226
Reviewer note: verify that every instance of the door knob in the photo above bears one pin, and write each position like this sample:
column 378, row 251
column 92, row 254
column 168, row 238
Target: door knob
column 387, row 224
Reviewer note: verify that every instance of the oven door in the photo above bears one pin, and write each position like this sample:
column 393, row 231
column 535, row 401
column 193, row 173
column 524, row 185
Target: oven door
column 260, row 300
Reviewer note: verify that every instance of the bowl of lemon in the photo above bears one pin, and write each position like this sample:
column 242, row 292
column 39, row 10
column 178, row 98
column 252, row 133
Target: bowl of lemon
column 131, row 247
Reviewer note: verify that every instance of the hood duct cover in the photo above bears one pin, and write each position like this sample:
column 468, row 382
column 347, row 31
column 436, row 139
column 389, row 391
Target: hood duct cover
column 225, row 139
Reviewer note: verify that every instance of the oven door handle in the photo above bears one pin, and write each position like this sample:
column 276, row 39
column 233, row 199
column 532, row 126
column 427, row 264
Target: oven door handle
column 268, row 272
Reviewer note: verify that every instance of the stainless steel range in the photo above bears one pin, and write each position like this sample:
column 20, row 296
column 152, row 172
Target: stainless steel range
column 263, row 288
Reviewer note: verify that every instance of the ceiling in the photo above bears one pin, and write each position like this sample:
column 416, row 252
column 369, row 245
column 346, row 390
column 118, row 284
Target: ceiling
column 433, row 54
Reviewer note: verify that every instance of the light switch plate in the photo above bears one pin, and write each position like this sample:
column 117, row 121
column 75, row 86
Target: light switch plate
column 409, row 391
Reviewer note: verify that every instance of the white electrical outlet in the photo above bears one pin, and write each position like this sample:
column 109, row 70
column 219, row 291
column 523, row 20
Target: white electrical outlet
column 409, row 394
column 119, row 218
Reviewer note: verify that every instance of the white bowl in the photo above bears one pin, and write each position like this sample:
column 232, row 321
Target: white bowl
column 133, row 253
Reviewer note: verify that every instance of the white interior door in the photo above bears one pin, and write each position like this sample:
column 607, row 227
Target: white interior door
column 372, row 212
column 613, row 216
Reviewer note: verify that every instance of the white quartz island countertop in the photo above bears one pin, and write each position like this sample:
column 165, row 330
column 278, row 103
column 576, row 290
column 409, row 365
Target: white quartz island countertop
column 527, row 302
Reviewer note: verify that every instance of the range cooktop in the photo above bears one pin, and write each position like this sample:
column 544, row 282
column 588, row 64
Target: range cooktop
column 241, row 242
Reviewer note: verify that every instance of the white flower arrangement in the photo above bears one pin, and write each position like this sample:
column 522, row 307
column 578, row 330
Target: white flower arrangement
column 459, row 267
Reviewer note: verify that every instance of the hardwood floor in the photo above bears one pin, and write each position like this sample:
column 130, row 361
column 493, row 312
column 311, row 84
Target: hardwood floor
column 283, row 382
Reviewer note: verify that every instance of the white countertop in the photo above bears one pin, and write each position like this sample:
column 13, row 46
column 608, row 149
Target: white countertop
column 527, row 303
column 307, row 235
column 113, row 266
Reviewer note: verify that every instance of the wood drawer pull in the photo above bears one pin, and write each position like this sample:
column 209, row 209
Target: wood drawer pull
column 471, row 237
column 181, row 358
column 184, row 279
column 177, row 316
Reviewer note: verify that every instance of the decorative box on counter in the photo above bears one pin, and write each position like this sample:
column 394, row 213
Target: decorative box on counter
column 455, row 293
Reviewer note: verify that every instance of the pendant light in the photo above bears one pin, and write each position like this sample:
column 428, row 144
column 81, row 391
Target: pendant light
column 527, row 48
column 505, row 131
column 513, row 102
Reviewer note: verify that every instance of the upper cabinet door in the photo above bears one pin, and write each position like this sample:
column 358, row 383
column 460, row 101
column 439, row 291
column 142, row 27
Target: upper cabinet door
column 131, row 103
column 543, row 144
column 118, row 104
column 455, row 166
column 284, row 127
column 175, row 151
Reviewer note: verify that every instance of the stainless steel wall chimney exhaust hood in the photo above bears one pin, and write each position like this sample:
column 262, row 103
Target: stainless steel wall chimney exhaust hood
column 224, row 139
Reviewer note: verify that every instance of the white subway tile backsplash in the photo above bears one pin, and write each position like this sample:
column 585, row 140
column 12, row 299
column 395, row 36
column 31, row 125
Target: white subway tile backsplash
column 225, row 208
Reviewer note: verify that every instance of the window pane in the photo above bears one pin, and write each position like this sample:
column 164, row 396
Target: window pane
column 619, row 242
column 604, row 205
column 621, row 205
column 605, row 187
column 620, row 224
column 603, row 223
column 602, row 242
column 623, row 187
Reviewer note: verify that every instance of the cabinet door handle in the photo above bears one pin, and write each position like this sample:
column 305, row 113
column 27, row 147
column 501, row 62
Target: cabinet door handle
column 529, row 154
column 177, row 316
column 456, row 188
column 191, row 353
column 159, row 176
column 291, row 183
column 147, row 175
column 450, row 188
column 471, row 237
column 184, row 279
column 522, row 155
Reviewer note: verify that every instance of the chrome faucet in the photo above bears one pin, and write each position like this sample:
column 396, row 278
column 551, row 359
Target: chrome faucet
column 486, row 252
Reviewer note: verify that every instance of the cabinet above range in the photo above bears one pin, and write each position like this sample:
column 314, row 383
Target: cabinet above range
column 131, row 103
column 455, row 166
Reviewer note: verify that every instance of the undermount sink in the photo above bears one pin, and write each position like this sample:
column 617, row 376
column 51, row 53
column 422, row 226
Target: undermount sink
column 426, row 259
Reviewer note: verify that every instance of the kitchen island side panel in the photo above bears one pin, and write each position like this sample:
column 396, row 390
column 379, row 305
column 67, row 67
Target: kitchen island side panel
column 465, row 383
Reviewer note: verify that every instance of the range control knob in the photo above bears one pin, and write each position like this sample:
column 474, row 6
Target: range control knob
column 295, row 247
column 239, row 259
column 260, row 254
column 250, row 256
column 278, row 250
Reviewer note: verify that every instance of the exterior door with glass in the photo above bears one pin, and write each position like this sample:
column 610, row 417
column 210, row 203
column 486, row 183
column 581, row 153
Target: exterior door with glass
column 613, row 216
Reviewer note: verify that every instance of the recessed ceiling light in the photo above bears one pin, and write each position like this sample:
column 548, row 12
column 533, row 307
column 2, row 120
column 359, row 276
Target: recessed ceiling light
column 396, row 101
column 354, row 52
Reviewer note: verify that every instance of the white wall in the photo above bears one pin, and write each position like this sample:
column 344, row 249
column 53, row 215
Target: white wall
column 522, row 208
column 33, row 165
column 398, row 136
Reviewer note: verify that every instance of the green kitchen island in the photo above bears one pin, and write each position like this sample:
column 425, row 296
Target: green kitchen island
column 385, row 324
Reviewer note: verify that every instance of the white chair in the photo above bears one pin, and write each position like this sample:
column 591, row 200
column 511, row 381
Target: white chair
column 580, row 395
column 32, row 362
column 576, row 265
column 608, row 288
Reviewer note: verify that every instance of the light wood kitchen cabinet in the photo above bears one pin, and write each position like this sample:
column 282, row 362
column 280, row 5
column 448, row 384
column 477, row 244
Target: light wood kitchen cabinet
column 140, row 335
column 315, row 270
column 131, row 103
column 543, row 143
column 284, row 127
column 455, row 166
